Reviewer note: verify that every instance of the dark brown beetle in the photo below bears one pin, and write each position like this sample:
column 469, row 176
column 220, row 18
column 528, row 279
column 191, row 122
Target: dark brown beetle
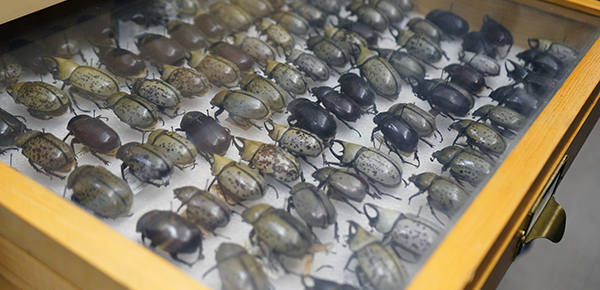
column 208, row 135
column 62, row 44
column 466, row 77
column 121, row 62
column 171, row 233
column 188, row 35
column 160, row 49
column 94, row 134
column 212, row 26
column 235, row 54
column 98, row 30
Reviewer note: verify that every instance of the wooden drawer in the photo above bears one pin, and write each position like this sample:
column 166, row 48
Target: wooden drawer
column 48, row 243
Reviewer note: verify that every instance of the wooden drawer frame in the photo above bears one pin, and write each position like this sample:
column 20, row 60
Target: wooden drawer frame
column 48, row 243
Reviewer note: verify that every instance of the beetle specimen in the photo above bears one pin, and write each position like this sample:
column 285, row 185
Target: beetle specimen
column 332, row 52
column 315, row 16
column 100, row 191
column 517, row 99
column 419, row 120
column 562, row 52
column 240, row 270
column 86, row 81
column 496, row 34
column 211, row 25
column 174, row 146
column 62, row 44
column 46, row 153
column 235, row 54
column 10, row 70
column 312, row 117
column 481, row 62
column 269, row 91
column 329, row 6
column 420, row 46
column 476, row 43
column 187, row 81
column 160, row 49
column 450, row 23
column 444, row 194
column 342, row 106
column 298, row 141
column 390, row 9
column 370, row 16
column 342, row 185
column 466, row 77
column 187, row 35
column 504, row 120
column 255, row 47
column 313, row 206
column 276, row 34
column 29, row 54
column 257, row 8
column 10, row 128
column 292, row 22
column 405, row 233
column 312, row 283
column 236, row 181
column 357, row 89
column 43, row 100
column 158, row 92
column 134, row 111
column 146, row 162
column 286, row 76
column 314, row 67
column 398, row 135
column 534, row 83
column 206, row 134
column 95, row 135
column 465, row 164
column 170, row 233
column 541, row 62
column 218, row 70
column 378, row 267
column 232, row 15
column 202, row 208
column 379, row 73
column 242, row 106
column 443, row 97
column 364, row 30
column 98, row 30
column 481, row 136
column 121, row 62
column 425, row 27
column 352, row 39
column 405, row 64
column 269, row 159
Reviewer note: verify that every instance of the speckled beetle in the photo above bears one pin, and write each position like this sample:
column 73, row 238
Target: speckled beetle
column 379, row 73
column 405, row 64
column 504, row 120
column 476, row 43
column 187, row 35
column 189, row 82
column 170, row 233
column 211, row 25
column 298, row 141
column 450, row 23
column 398, row 135
column 562, row 52
column 534, row 83
column 10, row 128
column 269, row 159
column 332, row 7
column 378, row 267
column 313, row 206
column 419, row 120
column 121, row 62
column 354, row 40
column 100, row 191
column 206, row 134
column 314, row 67
column 29, row 54
column 444, row 194
column 134, row 111
column 370, row 163
column 160, row 49
column 255, row 47
column 62, row 44
column 420, row 46
column 517, row 99
column 43, row 100
column 425, row 27
column 364, row 30
column 235, row 54
column 315, row 16
column 312, row 117
column 162, row 94
column 86, row 81
column 481, row 62
column 357, row 89
column 292, row 22
column 283, row 233
column 94, row 134
column 10, row 70
column 242, row 106
column 276, row 34
column 46, row 153
column 257, row 8
column 443, row 97
column 146, row 162
column 240, row 270
column 332, row 52
column 268, row 90
column 286, row 76
column 465, row 164
column 312, row 283
column 481, row 136
column 496, row 34
column 236, row 181
column 232, row 15
column 408, row 235
column 466, row 77
column 390, row 9
column 202, row 208
column 174, row 146
column 370, row 16
column 218, row 70
column 342, row 185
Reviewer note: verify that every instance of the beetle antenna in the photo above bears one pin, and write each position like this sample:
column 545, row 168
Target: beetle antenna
column 209, row 270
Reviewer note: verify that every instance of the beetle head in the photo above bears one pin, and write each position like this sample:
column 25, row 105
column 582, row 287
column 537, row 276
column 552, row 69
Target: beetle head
column 358, row 237
column 254, row 213
column 382, row 219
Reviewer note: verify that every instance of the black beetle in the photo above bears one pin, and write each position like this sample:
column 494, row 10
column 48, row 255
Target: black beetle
column 342, row 106
column 211, row 25
column 188, row 35
column 476, row 43
column 450, row 23
column 30, row 54
column 10, row 128
column 121, row 62
column 535, row 83
column 161, row 49
column 496, row 34
column 355, row 87
column 398, row 135
column 171, row 233
column 312, row 117
column 443, row 97
column 466, row 77
column 364, row 30
column 95, row 135
column 517, row 99
column 541, row 62
column 208, row 135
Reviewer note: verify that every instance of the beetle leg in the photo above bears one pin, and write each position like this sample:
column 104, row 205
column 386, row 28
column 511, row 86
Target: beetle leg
column 106, row 162
column 350, row 127
column 415, row 195
column 346, row 268
column 174, row 256
column 283, row 183
column 433, row 212
column 290, row 204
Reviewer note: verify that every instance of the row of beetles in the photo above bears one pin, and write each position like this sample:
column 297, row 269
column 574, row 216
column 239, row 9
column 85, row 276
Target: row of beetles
column 280, row 73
